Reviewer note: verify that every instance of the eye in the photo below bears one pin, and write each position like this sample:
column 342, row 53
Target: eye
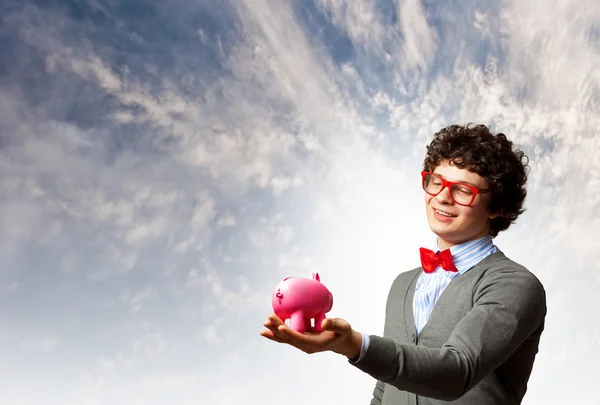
column 464, row 190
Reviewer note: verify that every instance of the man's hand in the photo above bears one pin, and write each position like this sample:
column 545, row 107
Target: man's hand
column 337, row 336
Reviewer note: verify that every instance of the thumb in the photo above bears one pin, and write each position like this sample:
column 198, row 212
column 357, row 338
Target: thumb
column 337, row 325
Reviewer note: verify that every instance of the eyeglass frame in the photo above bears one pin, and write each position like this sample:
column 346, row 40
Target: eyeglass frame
column 449, row 184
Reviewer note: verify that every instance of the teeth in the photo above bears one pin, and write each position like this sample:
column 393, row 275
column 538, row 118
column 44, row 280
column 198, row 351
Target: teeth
column 444, row 213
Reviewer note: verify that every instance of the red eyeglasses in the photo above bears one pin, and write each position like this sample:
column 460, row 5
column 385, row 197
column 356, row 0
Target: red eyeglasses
column 461, row 193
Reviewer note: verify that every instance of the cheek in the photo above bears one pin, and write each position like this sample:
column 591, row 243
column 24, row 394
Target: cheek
column 475, row 215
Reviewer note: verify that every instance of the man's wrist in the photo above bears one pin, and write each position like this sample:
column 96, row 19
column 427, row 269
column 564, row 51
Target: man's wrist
column 352, row 351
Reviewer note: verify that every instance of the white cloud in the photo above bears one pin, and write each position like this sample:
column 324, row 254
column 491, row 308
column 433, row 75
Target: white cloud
column 360, row 20
column 419, row 42
column 135, row 300
column 45, row 343
column 211, row 334
column 231, row 295
column 227, row 220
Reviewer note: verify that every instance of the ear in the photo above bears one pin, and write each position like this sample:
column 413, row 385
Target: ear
column 494, row 215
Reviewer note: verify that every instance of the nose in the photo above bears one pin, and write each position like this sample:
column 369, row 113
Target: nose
column 444, row 195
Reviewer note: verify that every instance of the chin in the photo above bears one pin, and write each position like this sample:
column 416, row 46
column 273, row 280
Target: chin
column 448, row 234
column 440, row 227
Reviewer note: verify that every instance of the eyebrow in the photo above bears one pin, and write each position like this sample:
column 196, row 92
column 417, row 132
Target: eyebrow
column 458, row 181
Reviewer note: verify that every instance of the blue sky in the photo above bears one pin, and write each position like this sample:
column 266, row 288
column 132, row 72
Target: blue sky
column 164, row 164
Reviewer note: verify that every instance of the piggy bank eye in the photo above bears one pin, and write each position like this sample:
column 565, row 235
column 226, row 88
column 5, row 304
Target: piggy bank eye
column 279, row 295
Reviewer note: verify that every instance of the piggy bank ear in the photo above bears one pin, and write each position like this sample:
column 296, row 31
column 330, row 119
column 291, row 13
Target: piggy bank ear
column 315, row 276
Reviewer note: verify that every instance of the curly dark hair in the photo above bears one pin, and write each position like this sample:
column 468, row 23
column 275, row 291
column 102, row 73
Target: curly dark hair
column 492, row 157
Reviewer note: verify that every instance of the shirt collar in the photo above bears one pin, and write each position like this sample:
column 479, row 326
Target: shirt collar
column 463, row 254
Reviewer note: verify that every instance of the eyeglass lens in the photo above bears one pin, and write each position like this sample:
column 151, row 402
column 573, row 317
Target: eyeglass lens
column 462, row 194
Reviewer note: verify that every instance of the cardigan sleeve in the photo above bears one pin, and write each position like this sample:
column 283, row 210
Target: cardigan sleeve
column 509, row 307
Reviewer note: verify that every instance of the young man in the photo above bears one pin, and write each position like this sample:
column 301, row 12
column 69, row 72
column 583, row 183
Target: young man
column 464, row 326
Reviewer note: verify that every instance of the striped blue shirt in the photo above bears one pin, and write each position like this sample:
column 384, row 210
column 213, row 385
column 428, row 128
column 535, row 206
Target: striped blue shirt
column 431, row 285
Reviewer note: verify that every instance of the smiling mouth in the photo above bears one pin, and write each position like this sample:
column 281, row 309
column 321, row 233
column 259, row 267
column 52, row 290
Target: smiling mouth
column 444, row 213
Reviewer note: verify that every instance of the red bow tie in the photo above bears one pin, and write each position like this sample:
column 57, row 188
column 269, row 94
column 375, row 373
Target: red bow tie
column 431, row 260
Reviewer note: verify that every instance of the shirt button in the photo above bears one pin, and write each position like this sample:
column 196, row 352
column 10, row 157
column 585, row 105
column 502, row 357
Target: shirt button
column 414, row 337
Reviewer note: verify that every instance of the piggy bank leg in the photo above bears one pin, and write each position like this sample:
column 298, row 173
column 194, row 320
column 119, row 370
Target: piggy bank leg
column 299, row 323
column 318, row 320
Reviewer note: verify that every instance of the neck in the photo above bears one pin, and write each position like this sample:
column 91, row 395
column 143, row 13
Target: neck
column 445, row 244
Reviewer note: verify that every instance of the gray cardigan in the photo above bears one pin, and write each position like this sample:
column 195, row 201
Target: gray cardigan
column 477, row 348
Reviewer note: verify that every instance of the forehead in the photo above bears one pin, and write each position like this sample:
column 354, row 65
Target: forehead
column 451, row 172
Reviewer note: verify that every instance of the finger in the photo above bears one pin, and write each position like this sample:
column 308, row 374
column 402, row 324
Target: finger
column 293, row 341
column 328, row 324
column 273, row 324
column 280, row 338
column 273, row 327
column 269, row 324
column 273, row 332
column 307, row 342
column 337, row 325
column 302, row 339
column 271, row 336
column 275, row 321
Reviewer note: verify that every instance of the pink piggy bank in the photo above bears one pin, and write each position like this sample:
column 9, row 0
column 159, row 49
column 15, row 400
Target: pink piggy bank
column 300, row 300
